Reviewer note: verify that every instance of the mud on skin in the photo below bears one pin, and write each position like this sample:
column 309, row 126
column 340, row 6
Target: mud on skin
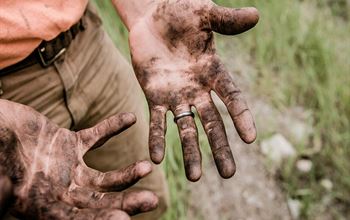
column 177, row 67
column 49, row 178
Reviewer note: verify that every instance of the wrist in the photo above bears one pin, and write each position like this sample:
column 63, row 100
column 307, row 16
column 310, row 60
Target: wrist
column 131, row 11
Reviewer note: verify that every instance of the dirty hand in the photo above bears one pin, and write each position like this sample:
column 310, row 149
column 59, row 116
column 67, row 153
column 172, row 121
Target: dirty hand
column 174, row 58
column 50, row 179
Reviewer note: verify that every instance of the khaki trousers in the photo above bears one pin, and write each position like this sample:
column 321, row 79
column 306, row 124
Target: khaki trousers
column 91, row 82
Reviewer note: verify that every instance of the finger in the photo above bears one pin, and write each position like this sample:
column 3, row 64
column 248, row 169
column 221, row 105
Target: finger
column 113, row 180
column 133, row 202
column 190, row 147
column 231, row 21
column 60, row 211
column 215, row 130
column 237, row 107
column 157, row 134
column 43, row 203
column 100, row 133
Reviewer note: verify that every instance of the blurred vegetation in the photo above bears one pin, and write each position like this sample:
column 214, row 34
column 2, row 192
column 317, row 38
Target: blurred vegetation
column 301, row 51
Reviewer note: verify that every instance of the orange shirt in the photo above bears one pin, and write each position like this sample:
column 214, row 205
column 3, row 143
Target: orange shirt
column 25, row 23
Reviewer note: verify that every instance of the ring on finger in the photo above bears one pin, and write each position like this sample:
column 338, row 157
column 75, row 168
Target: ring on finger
column 183, row 114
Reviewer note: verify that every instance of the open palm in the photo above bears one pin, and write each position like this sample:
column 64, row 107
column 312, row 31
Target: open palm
column 50, row 179
column 174, row 58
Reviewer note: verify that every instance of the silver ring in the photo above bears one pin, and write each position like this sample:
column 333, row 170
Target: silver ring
column 183, row 114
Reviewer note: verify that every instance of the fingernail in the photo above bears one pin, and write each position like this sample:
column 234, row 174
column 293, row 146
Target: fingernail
column 194, row 173
column 227, row 170
column 144, row 168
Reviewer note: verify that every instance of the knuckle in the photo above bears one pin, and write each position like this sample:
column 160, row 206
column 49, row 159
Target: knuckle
column 239, row 112
column 188, row 131
column 156, row 127
column 213, row 124
column 233, row 96
column 156, row 137
column 222, row 150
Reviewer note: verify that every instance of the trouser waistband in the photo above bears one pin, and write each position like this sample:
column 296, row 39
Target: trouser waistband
column 48, row 51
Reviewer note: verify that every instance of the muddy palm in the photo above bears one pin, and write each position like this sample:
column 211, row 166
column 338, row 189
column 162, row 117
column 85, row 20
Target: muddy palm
column 49, row 177
column 173, row 54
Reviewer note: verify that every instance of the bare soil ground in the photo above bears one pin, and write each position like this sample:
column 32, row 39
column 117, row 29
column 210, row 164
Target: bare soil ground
column 253, row 193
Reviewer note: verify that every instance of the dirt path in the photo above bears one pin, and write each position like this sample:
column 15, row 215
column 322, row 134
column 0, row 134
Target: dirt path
column 252, row 193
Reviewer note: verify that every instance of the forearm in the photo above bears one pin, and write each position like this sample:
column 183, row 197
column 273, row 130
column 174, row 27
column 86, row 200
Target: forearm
column 130, row 11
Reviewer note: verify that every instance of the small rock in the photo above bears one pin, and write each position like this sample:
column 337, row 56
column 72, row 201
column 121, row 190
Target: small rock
column 327, row 200
column 277, row 148
column 304, row 165
column 294, row 208
column 265, row 115
column 327, row 184
column 300, row 131
column 296, row 125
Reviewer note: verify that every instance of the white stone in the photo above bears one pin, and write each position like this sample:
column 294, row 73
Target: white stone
column 304, row 166
column 294, row 207
column 296, row 125
column 277, row 148
column 300, row 131
column 327, row 184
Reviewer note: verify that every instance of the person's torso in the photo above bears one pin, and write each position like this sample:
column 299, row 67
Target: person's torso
column 25, row 23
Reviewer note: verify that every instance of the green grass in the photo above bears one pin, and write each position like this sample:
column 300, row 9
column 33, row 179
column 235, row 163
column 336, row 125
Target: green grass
column 113, row 25
column 301, row 51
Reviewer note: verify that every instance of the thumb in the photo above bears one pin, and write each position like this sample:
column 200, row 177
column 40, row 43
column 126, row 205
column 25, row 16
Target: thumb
column 230, row 21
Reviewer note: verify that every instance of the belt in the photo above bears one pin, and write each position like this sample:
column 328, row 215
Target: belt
column 48, row 51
